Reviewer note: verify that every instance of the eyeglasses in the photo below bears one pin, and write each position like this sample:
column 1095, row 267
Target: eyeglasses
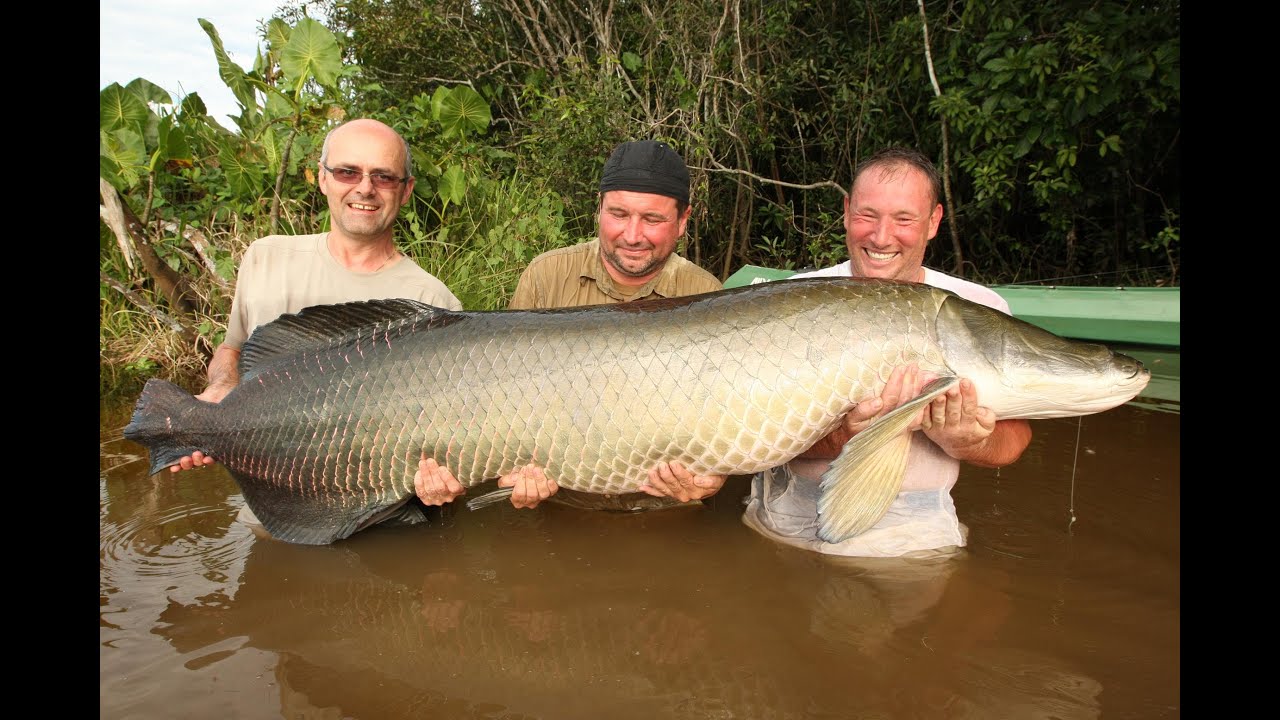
column 347, row 176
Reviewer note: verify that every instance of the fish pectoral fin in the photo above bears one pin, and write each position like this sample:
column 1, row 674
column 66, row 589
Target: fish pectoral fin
column 862, row 482
column 489, row 498
column 308, row 519
column 404, row 513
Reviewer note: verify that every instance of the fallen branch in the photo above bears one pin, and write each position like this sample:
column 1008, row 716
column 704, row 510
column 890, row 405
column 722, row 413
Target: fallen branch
column 201, row 244
column 155, row 312
column 111, row 212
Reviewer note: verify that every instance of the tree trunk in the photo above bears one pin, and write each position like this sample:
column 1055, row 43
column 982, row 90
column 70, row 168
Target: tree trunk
column 957, row 268
column 121, row 219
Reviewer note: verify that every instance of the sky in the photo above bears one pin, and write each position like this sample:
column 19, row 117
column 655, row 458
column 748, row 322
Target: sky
column 162, row 41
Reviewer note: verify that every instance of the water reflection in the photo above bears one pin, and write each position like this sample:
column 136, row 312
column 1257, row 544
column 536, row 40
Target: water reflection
column 681, row 614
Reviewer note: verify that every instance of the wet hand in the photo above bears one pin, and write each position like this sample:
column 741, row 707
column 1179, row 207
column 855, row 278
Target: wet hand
column 434, row 484
column 675, row 481
column 531, row 486
column 904, row 383
column 955, row 420
column 194, row 460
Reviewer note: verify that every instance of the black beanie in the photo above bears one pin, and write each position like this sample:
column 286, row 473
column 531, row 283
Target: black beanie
column 646, row 166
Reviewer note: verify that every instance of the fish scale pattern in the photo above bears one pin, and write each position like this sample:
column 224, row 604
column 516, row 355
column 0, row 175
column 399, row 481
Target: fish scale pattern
column 731, row 383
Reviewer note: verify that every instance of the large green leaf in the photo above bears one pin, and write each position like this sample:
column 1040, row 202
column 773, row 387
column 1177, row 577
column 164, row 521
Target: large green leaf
column 119, row 108
column 453, row 185
column 193, row 106
column 463, row 111
column 149, row 91
column 312, row 52
column 173, row 146
column 277, row 106
column 110, row 171
column 271, row 145
column 277, row 35
column 232, row 74
column 127, row 153
column 245, row 178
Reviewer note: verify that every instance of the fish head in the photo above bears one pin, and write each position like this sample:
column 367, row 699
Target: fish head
column 1024, row 371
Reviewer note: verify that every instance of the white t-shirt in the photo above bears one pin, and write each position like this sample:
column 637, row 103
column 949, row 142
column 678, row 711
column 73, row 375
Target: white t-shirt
column 922, row 519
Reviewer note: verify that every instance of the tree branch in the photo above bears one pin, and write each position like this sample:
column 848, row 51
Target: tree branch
column 958, row 266
column 155, row 312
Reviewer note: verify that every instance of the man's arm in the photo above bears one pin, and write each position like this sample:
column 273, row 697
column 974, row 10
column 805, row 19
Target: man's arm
column 969, row 432
column 1003, row 446
column 525, row 296
column 224, row 375
column 955, row 421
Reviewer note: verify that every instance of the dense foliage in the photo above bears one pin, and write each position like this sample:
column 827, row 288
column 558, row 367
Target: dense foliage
column 1057, row 126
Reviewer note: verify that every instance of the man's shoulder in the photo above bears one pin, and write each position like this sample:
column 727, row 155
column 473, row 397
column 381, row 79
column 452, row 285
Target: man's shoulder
column 418, row 283
column 690, row 269
column 271, row 243
column 565, row 260
column 567, row 252
column 966, row 289
column 843, row 269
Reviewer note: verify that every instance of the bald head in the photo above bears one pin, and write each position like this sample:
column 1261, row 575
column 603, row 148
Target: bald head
column 370, row 130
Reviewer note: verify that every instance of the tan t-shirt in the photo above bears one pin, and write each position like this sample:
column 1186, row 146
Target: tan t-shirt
column 285, row 273
column 575, row 276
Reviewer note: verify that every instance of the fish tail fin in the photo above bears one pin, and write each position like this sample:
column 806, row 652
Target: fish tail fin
column 862, row 482
column 159, row 423
column 489, row 498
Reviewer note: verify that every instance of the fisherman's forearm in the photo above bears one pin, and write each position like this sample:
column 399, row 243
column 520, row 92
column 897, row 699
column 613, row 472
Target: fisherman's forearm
column 1003, row 446
column 224, row 374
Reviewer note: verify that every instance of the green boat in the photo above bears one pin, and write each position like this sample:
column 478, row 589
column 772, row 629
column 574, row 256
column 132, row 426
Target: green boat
column 1144, row 322
column 1131, row 315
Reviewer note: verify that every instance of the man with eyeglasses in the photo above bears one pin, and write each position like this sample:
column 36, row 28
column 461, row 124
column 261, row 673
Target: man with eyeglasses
column 366, row 172
column 644, row 210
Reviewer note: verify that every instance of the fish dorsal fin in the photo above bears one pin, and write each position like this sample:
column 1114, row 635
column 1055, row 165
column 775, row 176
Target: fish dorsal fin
column 862, row 482
column 321, row 327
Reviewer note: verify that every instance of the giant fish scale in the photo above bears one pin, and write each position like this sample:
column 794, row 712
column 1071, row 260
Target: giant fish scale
column 337, row 403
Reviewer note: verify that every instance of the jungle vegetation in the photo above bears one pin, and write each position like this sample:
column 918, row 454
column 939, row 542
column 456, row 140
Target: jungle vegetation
column 1056, row 125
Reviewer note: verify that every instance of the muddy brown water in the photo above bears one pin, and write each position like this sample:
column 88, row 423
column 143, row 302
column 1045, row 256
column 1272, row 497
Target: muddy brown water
column 1065, row 604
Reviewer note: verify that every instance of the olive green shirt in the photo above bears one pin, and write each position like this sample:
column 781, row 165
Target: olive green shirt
column 575, row 276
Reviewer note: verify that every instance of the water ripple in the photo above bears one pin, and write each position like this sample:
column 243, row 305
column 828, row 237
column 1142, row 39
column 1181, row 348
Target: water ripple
column 174, row 544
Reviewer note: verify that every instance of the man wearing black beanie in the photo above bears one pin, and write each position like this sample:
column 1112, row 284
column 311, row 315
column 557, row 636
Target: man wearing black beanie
column 643, row 211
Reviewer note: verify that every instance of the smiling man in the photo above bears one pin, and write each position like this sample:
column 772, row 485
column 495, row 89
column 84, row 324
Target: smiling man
column 643, row 212
column 366, row 173
column 892, row 211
